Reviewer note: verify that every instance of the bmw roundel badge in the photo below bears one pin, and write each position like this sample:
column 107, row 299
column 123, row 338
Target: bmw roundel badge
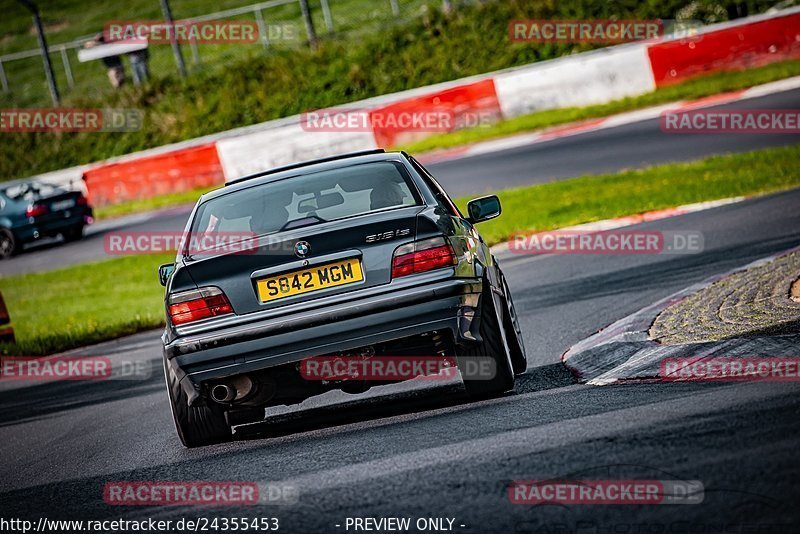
column 302, row 249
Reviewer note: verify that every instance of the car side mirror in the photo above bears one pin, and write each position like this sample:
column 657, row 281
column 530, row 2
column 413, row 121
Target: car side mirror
column 164, row 272
column 483, row 209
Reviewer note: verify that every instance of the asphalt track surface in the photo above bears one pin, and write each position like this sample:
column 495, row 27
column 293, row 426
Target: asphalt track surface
column 427, row 451
column 636, row 145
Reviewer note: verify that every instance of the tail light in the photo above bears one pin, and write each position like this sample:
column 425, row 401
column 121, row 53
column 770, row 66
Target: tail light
column 35, row 210
column 197, row 304
column 422, row 256
column 82, row 201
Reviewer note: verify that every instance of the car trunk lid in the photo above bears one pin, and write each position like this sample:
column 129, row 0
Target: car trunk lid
column 309, row 262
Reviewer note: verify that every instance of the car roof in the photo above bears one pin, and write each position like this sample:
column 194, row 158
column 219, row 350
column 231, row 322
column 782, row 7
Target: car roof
column 13, row 183
column 303, row 168
column 19, row 181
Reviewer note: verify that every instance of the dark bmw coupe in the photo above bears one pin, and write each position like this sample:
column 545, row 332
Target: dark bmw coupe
column 362, row 256
column 32, row 210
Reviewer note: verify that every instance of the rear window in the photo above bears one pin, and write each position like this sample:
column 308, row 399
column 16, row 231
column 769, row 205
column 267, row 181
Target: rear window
column 309, row 199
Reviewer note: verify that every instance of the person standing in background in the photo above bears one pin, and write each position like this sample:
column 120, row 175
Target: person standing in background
column 139, row 68
column 116, row 70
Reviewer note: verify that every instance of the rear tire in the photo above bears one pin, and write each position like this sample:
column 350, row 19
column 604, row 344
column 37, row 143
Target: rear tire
column 516, row 345
column 494, row 346
column 196, row 425
column 8, row 244
column 73, row 234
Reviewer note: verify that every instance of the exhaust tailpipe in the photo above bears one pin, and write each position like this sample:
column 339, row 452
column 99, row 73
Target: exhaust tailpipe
column 233, row 389
column 223, row 393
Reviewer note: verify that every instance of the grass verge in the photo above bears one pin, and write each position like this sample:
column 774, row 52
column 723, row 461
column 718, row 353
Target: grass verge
column 84, row 304
column 594, row 198
column 696, row 88
column 89, row 303
column 150, row 204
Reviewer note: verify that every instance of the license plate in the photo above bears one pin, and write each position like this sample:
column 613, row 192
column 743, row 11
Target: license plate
column 308, row 280
column 62, row 205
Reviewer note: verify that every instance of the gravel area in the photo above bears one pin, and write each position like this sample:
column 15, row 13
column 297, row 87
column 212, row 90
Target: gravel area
column 760, row 301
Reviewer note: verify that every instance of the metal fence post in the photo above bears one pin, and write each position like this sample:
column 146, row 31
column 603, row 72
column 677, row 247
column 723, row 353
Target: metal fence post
column 45, row 53
column 176, row 47
column 326, row 14
column 309, row 22
column 195, row 51
column 67, row 67
column 3, row 79
column 48, row 67
column 262, row 28
column 395, row 8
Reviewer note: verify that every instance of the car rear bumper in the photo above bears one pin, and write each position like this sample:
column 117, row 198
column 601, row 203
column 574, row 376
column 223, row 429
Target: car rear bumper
column 437, row 305
column 33, row 231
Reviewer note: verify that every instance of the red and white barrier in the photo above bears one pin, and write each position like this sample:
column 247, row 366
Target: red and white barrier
column 466, row 103
column 285, row 145
column 730, row 46
column 583, row 79
column 154, row 175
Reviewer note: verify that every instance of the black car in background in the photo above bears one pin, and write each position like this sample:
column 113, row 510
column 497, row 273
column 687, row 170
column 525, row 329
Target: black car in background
column 32, row 210
column 357, row 256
